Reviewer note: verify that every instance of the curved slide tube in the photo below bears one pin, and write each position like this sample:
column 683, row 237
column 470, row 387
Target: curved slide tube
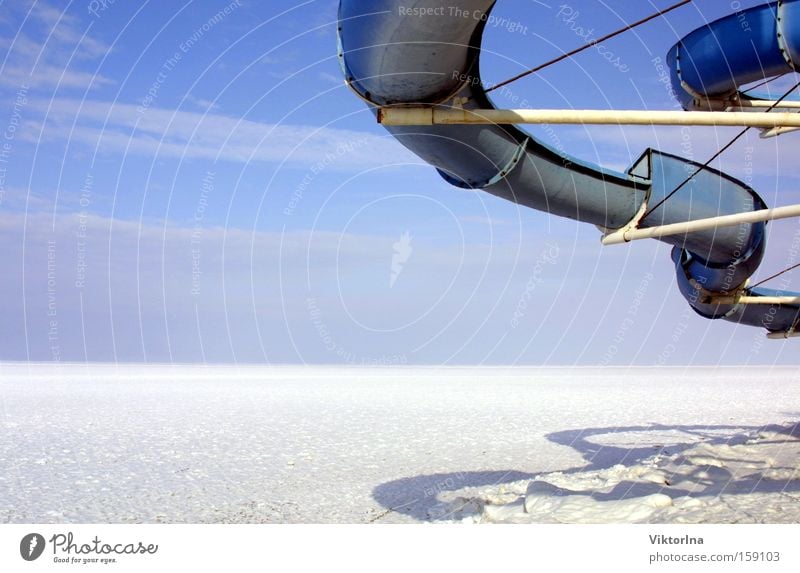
column 711, row 63
column 396, row 52
column 751, row 45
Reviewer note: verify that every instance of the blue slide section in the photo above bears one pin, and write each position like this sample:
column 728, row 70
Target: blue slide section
column 401, row 52
column 751, row 45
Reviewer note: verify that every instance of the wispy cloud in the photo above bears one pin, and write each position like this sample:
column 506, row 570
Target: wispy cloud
column 48, row 46
column 484, row 220
column 190, row 135
column 66, row 34
column 202, row 103
column 330, row 78
column 44, row 76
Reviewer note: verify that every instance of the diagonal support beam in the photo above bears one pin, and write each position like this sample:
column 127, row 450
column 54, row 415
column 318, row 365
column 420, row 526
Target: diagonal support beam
column 626, row 235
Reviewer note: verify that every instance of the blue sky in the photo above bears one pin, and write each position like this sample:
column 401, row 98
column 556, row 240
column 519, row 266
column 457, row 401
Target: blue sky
column 189, row 182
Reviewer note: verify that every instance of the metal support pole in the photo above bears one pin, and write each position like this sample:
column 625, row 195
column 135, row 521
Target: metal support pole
column 782, row 335
column 753, row 300
column 776, row 131
column 757, row 104
column 425, row 115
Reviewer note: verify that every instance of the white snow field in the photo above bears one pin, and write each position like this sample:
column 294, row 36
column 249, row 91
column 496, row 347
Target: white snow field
column 260, row 444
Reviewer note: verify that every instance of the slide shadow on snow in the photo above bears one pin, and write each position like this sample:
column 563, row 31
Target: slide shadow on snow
column 417, row 496
column 658, row 439
column 649, row 440
column 694, row 477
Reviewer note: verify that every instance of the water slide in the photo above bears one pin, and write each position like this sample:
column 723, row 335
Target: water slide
column 711, row 63
column 417, row 53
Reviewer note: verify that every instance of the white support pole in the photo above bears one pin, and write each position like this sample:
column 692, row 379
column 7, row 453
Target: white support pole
column 776, row 131
column 447, row 115
column 782, row 335
column 754, row 300
column 757, row 103
column 626, row 235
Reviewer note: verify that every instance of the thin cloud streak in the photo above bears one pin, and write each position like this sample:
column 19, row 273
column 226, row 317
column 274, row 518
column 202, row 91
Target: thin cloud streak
column 117, row 128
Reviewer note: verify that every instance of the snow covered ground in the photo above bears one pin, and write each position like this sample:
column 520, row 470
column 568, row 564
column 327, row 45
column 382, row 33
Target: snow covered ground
column 240, row 444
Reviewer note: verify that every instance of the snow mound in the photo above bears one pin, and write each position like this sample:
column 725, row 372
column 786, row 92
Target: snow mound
column 753, row 478
column 556, row 504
